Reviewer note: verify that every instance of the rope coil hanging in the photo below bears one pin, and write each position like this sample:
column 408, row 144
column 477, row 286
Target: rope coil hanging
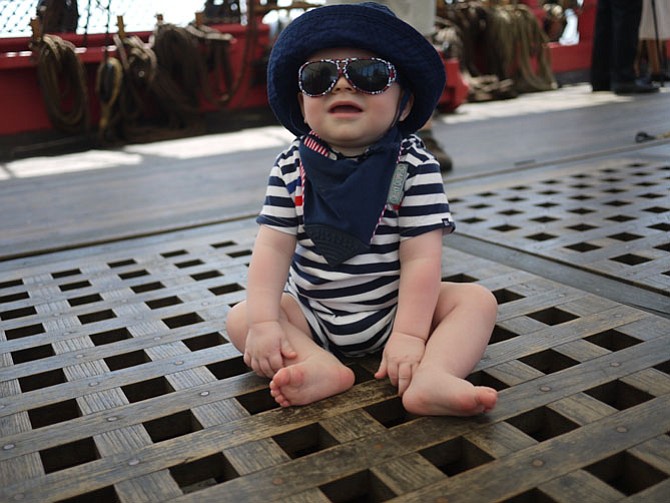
column 62, row 80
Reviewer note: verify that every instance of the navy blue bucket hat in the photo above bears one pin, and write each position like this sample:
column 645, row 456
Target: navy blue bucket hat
column 368, row 26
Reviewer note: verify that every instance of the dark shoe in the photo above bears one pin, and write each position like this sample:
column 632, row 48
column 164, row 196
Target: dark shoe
column 600, row 86
column 660, row 77
column 636, row 87
column 446, row 164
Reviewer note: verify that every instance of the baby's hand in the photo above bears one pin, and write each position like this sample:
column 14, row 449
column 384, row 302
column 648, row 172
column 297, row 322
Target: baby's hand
column 402, row 354
column 265, row 348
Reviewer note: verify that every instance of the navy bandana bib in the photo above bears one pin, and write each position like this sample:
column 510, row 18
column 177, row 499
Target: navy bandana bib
column 344, row 198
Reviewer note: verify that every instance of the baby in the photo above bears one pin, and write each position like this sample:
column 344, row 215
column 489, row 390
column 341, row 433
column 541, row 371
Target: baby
column 347, row 260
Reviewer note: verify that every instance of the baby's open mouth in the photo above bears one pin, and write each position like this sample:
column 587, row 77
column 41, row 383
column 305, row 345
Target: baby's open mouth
column 345, row 109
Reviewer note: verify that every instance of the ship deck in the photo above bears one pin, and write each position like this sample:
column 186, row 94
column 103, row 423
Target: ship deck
column 118, row 267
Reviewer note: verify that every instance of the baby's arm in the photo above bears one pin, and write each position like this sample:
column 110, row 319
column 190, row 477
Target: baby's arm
column 266, row 344
column 420, row 280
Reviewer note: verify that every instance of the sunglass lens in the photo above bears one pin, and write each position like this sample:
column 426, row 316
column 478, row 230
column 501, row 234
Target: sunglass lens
column 369, row 75
column 317, row 77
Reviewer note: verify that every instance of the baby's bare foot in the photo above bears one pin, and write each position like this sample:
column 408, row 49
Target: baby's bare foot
column 309, row 381
column 447, row 395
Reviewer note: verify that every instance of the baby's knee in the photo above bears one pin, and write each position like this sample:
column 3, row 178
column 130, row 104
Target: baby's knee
column 236, row 325
column 481, row 297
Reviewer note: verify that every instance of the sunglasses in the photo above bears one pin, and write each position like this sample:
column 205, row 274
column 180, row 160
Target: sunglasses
column 367, row 75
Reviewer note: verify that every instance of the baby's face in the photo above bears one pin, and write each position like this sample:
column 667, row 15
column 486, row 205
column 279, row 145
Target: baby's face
column 348, row 119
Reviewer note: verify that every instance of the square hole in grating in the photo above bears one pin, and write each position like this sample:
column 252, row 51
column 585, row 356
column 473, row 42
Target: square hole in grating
column 32, row 354
column 163, row 302
column 620, row 218
column 581, row 227
column 172, row 426
column 241, row 253
column 42, row 380
column 105, row 494
column 542, row 424
column 65, row 456
column 13, row 314
column 656, row 209
column 624, row 236
column 456, row 456
column 511, row 213
column 552, row 316
column 665, row 368
column 223, row 244
column 540, row 236
column 612, row 340
column 204, row 472
column 126, row 360
column 121, row 263
column 54, row 413
column 257, row 401
column 626, row 473
column 182, row 320
column 390, row 412
column 630, row 259
column 106, row 314
column 133, row 274
column 501, row 334
column 13, row 297
column 200, row 342
column 65, row 274
column 201, row 276
column 460, row 278
column 84, row 299
column 546, row 205
column 306, row 440
column 515, row 199
column 664, row 247
column 110, row 336
column 548, row 361
column 27, row 331
column 175, row 253
column 473, row 220
column 479, row 206
column 581, row 197
column 229, row 368
column 544, row 220
column 147, row 287
column 619, row 395
column 503, row 296
column 661, row 227
column 361, row 374
column 504, row 228
column 581, row 211
column 189, row 263
column 535, row 495
column 361, row 486
column 224, row 289
column 582, row 247
column 145, row 390
column 74, row 286
column 11, row 283
column 482, row 378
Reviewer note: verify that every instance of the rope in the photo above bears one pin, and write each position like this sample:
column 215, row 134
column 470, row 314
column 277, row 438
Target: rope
column 512, row 44
column 62, row 80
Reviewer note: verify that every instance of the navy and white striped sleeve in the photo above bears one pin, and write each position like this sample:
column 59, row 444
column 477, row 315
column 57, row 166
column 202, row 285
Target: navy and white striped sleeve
column 279, row 206
column 425, row 206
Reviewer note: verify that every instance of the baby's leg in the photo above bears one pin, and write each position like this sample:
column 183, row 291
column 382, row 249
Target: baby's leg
column 313, row 375
column 463, row 322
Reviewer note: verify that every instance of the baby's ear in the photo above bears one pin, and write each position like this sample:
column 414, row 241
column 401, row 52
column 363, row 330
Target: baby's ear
column 408, row 108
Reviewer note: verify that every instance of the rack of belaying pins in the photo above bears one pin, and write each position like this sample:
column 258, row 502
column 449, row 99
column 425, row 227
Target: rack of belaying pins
column 121, row 86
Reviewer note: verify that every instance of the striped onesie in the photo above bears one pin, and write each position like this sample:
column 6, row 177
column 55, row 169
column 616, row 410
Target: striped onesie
column 350, row 308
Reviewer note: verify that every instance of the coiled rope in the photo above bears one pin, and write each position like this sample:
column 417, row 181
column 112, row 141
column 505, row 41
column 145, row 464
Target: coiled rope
column 62, row 80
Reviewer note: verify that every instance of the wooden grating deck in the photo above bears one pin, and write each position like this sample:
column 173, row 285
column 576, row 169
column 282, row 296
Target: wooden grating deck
column 118, row 384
